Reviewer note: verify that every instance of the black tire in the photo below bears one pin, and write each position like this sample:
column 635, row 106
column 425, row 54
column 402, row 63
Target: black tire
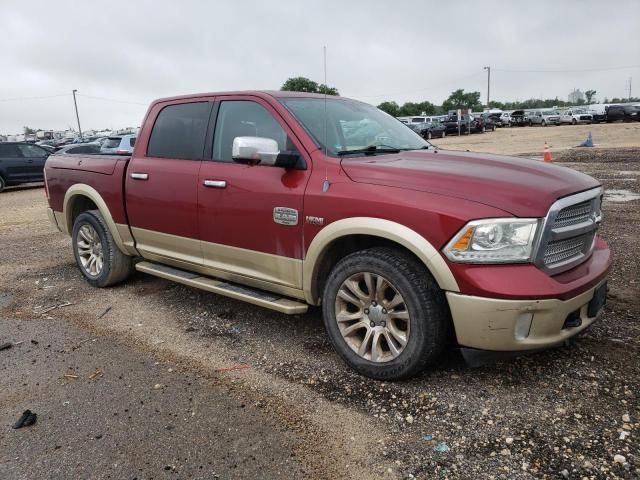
column 429, row 134
column 116, row 265
column 2, row 184
column 574, row 121
column 429, row 314
column 444, row 134
column 544, row 123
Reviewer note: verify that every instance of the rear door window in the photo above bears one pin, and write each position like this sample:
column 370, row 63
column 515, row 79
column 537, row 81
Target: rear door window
column 32, row 151
column 132, row 141
column 179, row 131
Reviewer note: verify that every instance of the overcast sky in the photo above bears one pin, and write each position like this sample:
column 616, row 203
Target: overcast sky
column 135, row 51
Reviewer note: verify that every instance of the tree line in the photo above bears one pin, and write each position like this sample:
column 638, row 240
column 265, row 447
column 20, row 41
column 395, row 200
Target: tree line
column 459, row 99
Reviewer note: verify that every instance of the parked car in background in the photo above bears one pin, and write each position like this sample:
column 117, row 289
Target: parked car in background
column 75, row 148
column 544, row 118
column 468, row 124
column 416, row 120
column 429, row 130
column 21, row 162
column 631, row 113
column 575, row 116
column 517, row 118
column 485, row 122
column 119, row 145
column 48, row 148
column 505, row 119
column 614, row 113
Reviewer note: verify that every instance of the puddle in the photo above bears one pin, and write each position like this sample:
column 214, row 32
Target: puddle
column 620, row 195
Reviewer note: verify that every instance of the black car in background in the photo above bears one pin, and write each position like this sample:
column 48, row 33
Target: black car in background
column 518, row 118
column 468, row 124
column 625, row 113
column 21, row 162
column 82, row 148
column 429, row 130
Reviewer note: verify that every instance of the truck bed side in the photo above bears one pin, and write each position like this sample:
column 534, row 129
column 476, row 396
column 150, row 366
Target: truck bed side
column 103, row 173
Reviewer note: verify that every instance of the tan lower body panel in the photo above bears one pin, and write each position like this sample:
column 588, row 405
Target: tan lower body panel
column 515, row 325
column 280, row 304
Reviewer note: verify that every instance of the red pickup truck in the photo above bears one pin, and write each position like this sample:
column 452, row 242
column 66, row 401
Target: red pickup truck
column 286, row 200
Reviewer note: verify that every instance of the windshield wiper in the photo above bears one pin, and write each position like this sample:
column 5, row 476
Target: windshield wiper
column 371, row 149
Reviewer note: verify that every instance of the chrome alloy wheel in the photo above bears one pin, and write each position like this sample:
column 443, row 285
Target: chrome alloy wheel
column 372, row 317
column 90, row 250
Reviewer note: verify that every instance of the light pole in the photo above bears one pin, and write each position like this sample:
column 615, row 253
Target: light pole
column 488, row 69
column 77, row 116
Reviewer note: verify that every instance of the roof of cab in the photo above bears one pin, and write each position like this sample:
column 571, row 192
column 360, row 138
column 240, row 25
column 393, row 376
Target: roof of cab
column 255, row 93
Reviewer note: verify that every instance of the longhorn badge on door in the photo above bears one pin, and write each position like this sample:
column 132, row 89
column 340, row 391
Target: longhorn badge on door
column 285, row 216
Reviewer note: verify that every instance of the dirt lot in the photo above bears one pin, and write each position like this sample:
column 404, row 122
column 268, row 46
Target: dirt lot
column 556, row 414
column 530, row 140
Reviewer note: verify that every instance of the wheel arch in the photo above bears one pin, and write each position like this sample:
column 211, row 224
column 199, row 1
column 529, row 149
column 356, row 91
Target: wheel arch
column 80, row 198
column 345, row 236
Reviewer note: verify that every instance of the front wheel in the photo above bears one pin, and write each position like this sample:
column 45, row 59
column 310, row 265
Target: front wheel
column 384, row 313
column 544, row 123
column 574, row 121
column 96, row 253
column 429, row 135
column 2, row 184
column 444, row 134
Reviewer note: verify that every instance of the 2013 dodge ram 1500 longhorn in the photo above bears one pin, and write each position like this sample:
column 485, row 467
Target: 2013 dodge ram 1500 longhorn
column 287, row 200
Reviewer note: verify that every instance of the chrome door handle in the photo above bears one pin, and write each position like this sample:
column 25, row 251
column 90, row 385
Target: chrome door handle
column 215, row 183
column 140, row 176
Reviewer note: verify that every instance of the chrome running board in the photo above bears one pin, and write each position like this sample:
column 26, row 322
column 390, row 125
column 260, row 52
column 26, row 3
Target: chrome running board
column 232, row 290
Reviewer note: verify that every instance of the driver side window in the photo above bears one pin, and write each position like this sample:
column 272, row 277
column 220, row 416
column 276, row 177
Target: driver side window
column 242, row 118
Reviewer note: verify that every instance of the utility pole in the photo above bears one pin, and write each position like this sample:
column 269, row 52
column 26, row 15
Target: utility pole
column 488, row 69
column 77, row 116
column 630, row 78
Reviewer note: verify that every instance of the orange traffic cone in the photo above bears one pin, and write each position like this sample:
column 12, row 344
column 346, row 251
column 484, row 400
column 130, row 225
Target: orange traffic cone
column 547, row 154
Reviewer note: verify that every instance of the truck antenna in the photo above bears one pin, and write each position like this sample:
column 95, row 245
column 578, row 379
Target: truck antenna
column 326, row 184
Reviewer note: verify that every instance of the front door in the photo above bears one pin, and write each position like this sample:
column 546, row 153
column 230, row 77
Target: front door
column 162, row 183
column 251, row 217
column 13, row 166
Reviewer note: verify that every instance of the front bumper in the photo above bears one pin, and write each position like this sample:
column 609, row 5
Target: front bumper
column 517, row 325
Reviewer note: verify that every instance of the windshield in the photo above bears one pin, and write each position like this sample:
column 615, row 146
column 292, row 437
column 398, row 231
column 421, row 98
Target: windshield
column 351, row 125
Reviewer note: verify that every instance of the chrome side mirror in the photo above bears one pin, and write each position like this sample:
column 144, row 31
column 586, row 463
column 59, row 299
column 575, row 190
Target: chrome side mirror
column 255, row 150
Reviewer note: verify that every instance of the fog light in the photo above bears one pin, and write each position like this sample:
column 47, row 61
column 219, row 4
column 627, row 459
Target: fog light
column 523, row 326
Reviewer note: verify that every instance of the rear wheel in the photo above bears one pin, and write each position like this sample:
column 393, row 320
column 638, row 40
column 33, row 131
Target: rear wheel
column 429, row 135
column 2, row 184
column 96, row 253
column 384, row 313
column 444, row 134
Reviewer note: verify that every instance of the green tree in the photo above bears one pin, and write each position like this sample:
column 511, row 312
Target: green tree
column 29, row 131
column 589, row 94
column 392, row 108
column 462, row 100
column 303, row 84
column 322, row 88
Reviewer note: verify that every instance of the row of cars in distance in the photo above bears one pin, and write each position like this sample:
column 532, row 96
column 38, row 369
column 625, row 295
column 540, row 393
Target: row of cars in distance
column 438, row 126
column 23, row 162
column 442, row 125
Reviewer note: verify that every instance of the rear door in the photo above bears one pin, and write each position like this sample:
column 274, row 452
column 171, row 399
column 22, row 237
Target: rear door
column 251, row 217
column 34, row 158
column 12, row 165
column 162, row 182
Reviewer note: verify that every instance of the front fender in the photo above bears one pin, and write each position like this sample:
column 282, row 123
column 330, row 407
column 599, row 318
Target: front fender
column 376, row 227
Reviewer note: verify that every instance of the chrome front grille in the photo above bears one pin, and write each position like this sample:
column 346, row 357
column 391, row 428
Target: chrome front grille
column 578, row 213
column 568, row 232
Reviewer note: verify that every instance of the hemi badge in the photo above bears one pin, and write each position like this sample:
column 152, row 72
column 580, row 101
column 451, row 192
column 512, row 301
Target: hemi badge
column 285, row 216
column 315, row 220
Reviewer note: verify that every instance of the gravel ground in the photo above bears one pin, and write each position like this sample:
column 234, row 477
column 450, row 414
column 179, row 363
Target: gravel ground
column 566, row 413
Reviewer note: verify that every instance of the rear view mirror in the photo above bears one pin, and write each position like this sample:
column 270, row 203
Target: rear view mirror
column 263, row 151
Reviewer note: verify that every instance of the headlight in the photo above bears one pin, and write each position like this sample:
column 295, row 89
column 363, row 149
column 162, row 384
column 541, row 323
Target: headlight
column 495, row 240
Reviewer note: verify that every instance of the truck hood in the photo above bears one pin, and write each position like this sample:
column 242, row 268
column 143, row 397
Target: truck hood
column 522, row 187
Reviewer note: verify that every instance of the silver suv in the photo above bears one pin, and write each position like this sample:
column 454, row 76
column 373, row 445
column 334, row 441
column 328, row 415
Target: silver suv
column 121, row 144
column 544, row 118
